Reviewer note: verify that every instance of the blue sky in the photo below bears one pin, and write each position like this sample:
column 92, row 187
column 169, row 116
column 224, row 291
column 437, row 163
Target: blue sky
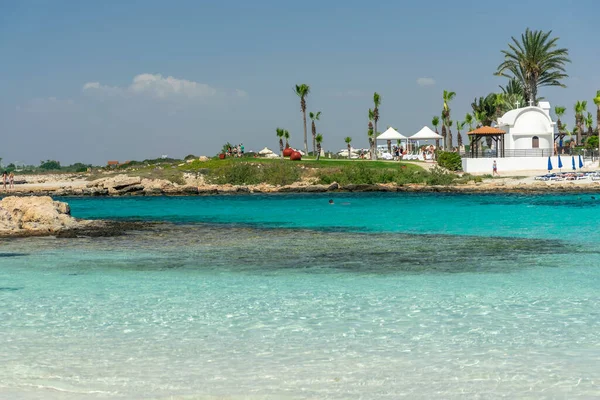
column 68, row 68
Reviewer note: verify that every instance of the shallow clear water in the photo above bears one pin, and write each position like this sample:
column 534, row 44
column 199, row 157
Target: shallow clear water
column 376, row 296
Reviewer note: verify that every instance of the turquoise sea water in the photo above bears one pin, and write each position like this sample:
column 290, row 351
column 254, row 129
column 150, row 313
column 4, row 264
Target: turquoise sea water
column 377, row 296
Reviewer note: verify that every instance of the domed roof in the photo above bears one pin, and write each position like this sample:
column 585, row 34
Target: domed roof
column 510, row 117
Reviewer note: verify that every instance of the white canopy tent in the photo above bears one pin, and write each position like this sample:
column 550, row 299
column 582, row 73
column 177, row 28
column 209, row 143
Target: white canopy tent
column 265, row 151
column 391, row 134
column 425, row 134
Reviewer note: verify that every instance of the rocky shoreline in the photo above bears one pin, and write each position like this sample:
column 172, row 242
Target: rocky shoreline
column 123, row 185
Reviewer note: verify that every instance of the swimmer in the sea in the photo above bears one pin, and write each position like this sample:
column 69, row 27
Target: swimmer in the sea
column 330, row 201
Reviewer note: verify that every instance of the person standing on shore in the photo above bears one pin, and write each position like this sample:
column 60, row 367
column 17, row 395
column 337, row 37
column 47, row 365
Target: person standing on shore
column 495, row 169
column 4, row 177
column 11, row 180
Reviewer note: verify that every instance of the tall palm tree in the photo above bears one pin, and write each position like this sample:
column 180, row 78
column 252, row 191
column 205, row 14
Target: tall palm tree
column 314, row 117
column 377, row 103
column 280, row 133
column 435, row 121
column 449, row 123
column 469, row 121
column 589, row 123
column 597, row 103
column 286, row 135
column 348, row 140
column 447, row 96
column 559, row 112
column 580, row 108
column 302, row 91
column 459, row 126
column 535, row 61
column 370, row 134
column 318, row 140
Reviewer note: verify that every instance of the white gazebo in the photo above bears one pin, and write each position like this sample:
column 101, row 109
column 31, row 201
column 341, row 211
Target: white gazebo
column 391, row 134
column 425, row 134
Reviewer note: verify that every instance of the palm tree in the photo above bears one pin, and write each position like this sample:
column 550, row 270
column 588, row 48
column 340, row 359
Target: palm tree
column 318, row 140
column 280, row 133
column 580, row 107
column 286, row 135
column 459, row 126
column 535, row 61
column 314, row 117
column 348, row 139
column 370, row 134
column 589, row 123
column 302, row 91
column 449, row 123
column 514, row 86
column 447, row 97
column 469, row 121
column 500, row 103
column 597, row 103
column 485, row 108
column 435, row 121
column 377, row 103
column 559, row 112
column 480, row 117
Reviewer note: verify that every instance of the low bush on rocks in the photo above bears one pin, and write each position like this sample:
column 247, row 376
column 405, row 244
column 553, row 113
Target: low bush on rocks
column 450, row 161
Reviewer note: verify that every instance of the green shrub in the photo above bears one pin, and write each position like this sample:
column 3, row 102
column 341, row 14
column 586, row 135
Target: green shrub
column 50, row 165
column 243, row 173
column 280, row 173
column 439, row 176
column 236, row 174
column 450, row 161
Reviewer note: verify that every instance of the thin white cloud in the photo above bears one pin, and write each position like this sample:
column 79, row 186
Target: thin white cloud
column 425, row 82
column 159, row 87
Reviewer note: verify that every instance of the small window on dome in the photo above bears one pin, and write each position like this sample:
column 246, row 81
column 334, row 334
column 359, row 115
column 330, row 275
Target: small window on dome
column 535, row 142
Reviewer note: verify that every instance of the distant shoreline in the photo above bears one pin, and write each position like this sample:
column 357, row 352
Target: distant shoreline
column 216, row 190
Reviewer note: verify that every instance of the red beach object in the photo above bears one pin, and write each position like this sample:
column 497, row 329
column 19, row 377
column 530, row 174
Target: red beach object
column 288, row 151
column 296, row 156
column 222, row 156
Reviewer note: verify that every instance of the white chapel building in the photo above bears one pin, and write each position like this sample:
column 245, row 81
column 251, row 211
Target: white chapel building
column 527, row 143
column 529, row 129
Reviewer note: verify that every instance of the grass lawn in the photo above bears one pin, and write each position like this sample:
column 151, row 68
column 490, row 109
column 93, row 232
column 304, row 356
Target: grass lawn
column 307, row 163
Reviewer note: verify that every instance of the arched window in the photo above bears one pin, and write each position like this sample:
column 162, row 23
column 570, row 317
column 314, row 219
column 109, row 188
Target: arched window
column 535, row 142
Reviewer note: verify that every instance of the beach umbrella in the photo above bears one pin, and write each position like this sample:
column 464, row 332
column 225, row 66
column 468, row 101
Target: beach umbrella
column 549, row 164
column 573, row 163
column 559, row 162
column 580, row 162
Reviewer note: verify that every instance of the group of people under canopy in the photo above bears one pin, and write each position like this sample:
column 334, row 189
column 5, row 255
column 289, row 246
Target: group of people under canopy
column 424, row 152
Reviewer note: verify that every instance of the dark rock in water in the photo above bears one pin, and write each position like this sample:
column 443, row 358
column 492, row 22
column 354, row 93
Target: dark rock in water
column 207, row 191
column 130, row 189
column 106, row 229
column 362, row 188
column 243, row 189
column 189, row 189
column 316, row 189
